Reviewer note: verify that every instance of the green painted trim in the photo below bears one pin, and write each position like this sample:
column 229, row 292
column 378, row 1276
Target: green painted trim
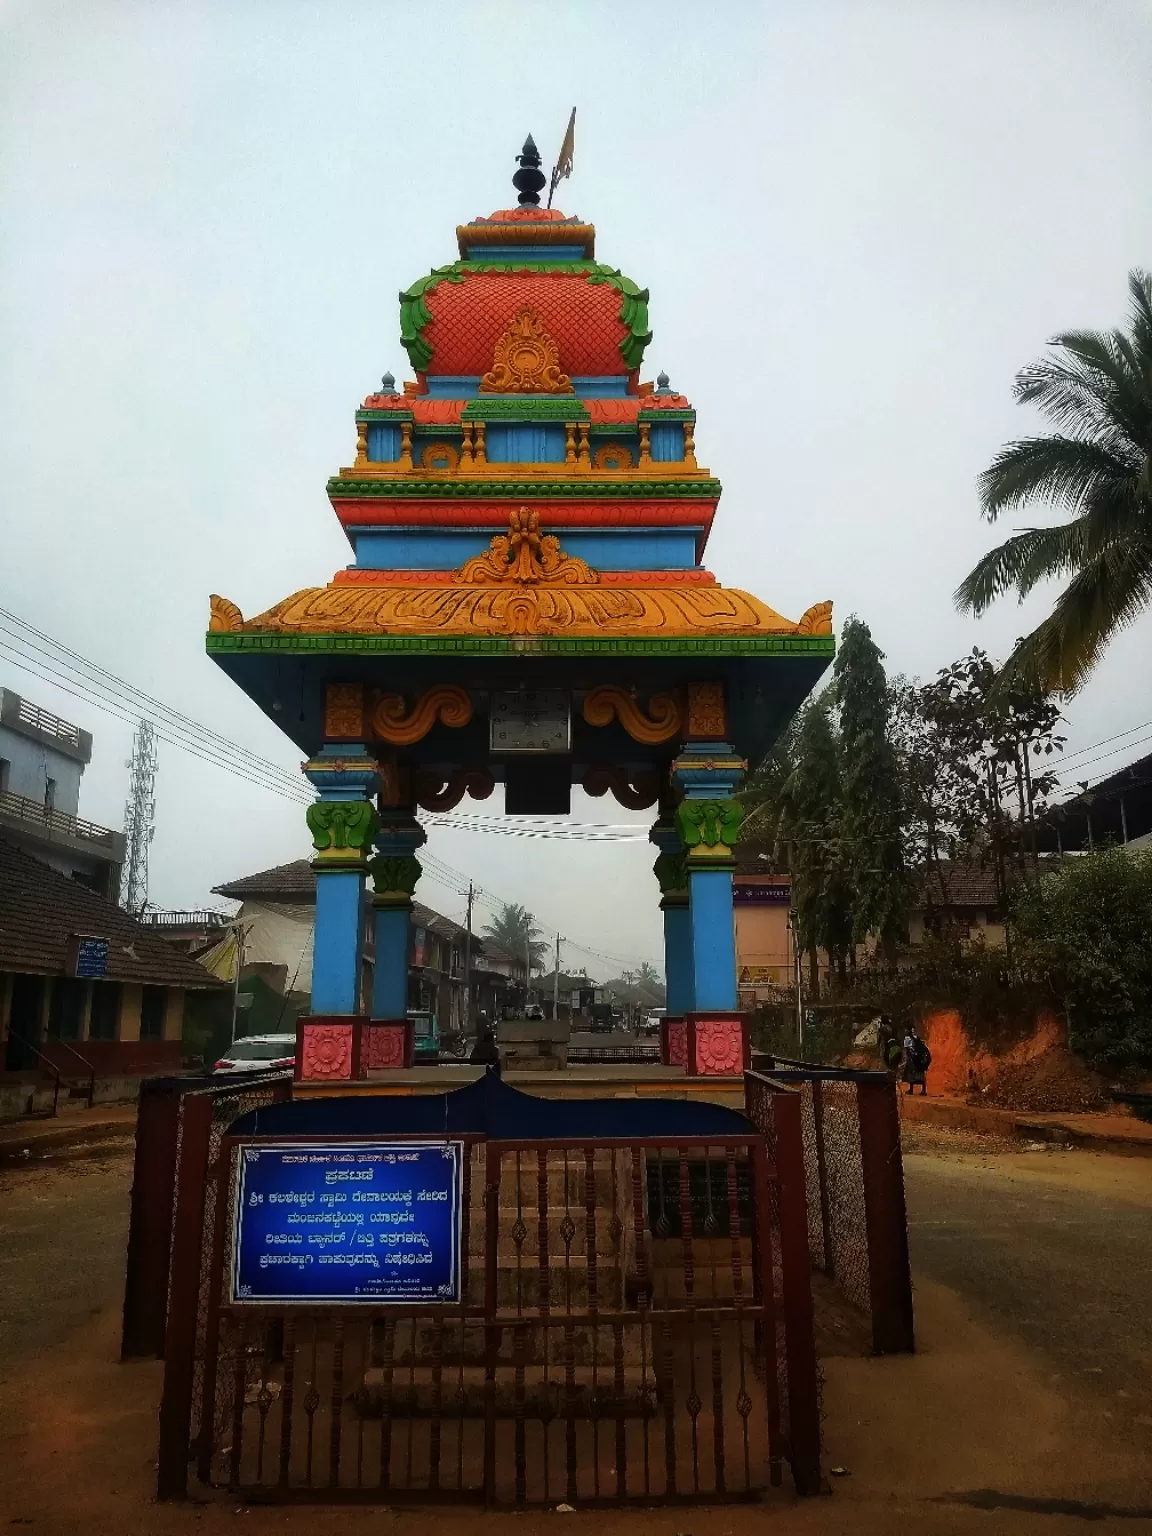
column 525, row 408
column 222, row 642
column 652, row 417
column 415, row 314
column 399, row 413
column 536, row 490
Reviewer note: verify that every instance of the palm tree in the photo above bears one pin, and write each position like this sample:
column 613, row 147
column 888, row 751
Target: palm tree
column 647, row 975
column 1096, row 389
column 516, row 930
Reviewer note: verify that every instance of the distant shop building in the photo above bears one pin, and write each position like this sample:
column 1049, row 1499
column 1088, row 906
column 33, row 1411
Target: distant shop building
column 277, row 917
column 84, row 987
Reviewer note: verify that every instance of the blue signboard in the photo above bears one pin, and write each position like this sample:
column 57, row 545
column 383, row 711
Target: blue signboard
column 371, row 1222
column 91, row 956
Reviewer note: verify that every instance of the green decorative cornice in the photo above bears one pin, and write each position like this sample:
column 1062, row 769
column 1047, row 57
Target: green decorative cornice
column 666, row 415
column 524, row 408
column 709, row 829
column 394, row 878
column 399, row 413
column 415, row 314
column 342, row 831
column 223, row 642
column 538, row 490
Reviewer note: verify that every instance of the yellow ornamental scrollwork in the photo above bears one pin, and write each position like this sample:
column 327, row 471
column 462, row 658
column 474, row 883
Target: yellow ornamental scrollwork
column 526, row 361
column 525, row 555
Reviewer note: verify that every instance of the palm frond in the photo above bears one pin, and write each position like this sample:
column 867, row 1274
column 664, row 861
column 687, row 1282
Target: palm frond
column 1030, row 556
column 1140, row 290
column 1104, row 597
column 1063, row 471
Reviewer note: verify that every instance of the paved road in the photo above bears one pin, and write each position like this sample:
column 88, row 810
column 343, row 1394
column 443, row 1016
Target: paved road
column 1041, row 1251
column 617, row 1038
column 63, row 1229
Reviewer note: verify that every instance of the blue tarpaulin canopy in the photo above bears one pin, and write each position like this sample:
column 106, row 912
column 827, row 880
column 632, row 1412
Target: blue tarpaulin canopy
column 489, row 1107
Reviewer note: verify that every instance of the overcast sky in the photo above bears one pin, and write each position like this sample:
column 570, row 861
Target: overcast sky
column 856, row 221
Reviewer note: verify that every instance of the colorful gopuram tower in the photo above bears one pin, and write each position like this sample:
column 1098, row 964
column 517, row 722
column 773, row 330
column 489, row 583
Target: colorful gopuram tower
column 526, row 603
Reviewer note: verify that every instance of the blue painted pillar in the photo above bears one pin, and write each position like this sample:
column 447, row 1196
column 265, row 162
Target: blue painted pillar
column 343, row 822
column 395, row 871
column 708, row 772
column 671, row 871
column 713, row 939
column 678, row 959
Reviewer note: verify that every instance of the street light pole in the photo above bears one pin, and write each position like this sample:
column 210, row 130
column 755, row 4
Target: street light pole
column 556, row 982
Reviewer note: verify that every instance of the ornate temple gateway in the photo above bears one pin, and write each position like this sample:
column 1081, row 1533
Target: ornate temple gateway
column 527, row 603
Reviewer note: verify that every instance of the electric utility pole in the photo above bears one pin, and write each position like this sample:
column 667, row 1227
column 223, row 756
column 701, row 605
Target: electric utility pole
column 556, row 982
column 468, row 966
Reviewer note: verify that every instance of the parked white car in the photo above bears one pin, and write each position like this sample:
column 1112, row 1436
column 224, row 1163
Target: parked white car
column 258, row 1053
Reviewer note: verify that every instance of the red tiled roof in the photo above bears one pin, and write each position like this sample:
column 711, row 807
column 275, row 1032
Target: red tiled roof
column 955, row 885
column 469, row 317
column 284, row 881
column 41, row 909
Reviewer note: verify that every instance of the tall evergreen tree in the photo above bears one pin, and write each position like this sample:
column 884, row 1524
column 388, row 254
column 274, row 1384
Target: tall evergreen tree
column 810, row 823
column 871, row 837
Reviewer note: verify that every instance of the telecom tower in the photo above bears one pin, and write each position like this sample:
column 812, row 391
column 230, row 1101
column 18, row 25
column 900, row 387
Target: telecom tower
column 139, row 818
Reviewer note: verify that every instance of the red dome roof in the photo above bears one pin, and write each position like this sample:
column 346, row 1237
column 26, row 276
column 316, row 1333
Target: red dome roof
column 470, row 316
column 524, row 215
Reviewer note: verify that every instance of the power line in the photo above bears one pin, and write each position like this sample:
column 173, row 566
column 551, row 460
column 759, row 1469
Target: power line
column 74, row 675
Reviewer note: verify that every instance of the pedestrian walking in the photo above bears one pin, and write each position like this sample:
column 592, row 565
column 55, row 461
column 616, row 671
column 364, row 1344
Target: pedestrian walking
column 917, row 1060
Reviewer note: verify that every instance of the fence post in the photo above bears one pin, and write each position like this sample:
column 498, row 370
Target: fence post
column 183, row 1298
column 492, row 1334
column 795, row 1259
column 828, row 1256
column 150, row 1223
column 886, row 1222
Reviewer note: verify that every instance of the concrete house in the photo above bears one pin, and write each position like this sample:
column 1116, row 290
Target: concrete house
column 42, row 760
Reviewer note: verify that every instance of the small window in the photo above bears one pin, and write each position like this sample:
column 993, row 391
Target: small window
column 105, row 1013
column 152, row 1013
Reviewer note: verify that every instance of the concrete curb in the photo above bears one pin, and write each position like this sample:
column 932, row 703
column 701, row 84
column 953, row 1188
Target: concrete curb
column 54, row 1134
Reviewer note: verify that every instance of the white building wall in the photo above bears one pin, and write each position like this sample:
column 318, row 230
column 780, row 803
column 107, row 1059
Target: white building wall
column 32, row 763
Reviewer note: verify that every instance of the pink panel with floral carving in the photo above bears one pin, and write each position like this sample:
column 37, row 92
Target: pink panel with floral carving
column 384, row 1046
column 325, row 1052
column 677, row 1043
column 719, row 1047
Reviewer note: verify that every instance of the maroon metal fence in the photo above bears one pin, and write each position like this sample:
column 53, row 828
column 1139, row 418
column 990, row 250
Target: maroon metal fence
column 179, row 1123
column 635, row 1323
column 854, row 1179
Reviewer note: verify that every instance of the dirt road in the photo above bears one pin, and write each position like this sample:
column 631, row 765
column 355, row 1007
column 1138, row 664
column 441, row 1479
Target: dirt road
column 1000, row 1424
column 1054, row 1249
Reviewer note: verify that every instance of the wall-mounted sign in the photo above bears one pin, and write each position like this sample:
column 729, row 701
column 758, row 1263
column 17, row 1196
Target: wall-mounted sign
column 762, row 893
column 369, row 1222
column 87, row 955
column 531, row 720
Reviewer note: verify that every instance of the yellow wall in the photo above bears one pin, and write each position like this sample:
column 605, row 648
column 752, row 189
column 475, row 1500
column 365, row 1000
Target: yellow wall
column 763, row 945
column 131, row 997
column 174, row 1013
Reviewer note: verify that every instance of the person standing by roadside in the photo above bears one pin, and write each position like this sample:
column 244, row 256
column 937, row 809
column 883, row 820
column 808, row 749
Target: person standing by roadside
column 917, row 1060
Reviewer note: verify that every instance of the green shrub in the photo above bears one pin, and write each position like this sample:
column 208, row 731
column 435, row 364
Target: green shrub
column 1084, row 932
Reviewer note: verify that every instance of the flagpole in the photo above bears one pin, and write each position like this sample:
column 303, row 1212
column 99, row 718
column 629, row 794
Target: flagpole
column 563, row 166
